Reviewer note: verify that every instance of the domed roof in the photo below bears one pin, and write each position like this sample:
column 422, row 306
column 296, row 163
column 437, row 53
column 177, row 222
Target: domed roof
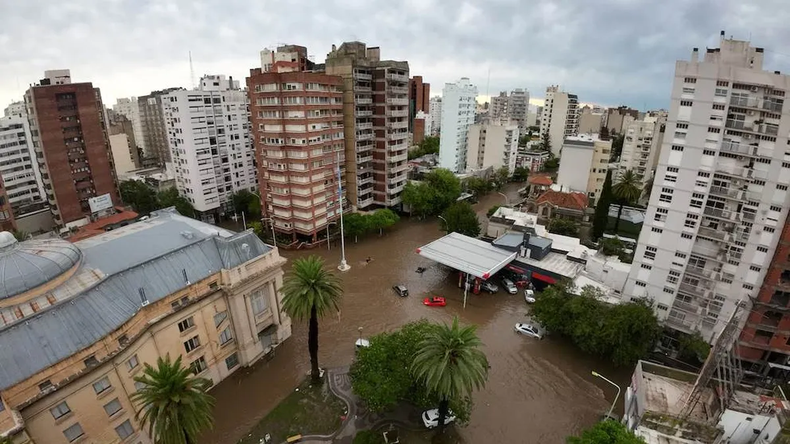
column 29, row 264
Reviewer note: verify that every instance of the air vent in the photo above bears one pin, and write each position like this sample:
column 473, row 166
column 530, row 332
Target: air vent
column 184, row 273
column 143, row 297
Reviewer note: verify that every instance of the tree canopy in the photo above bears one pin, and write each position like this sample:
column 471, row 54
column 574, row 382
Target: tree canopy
column 144, row 199
column 460, row 217
column 626, row 191
column 601, row 217
column 521, row 174
column 606, row 432
column 617, row 146
column 545, row 142
column 622, row 333
column 478, row 186
column 439, row 189
column 501, row 177
column 429, row 145
column 171, row 198
column 358, row 224
column 245, row 201
column 564, row 227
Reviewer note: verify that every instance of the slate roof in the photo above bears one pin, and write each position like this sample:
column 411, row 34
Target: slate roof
column 149, row 255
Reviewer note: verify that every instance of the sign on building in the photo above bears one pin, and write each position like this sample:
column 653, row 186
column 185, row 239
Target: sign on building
column 100, row 203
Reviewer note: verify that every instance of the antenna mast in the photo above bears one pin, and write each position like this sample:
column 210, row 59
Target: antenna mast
column 191, row 71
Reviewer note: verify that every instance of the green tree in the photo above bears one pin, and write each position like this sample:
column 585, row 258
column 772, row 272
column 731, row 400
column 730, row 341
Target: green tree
column 604, row 133
column 368, row 437
column 627, row 190
column 647, row 190
column 522, row 140
column 553, row 164
column 450, row 363
column 172, row 402
column 478, row 186
column 520, row 174
column 630, row 331
column 446, row 187
column 606, row 432
column 545, row 142
column 429, row 145
column 420, row 197
column 139, row 195
column 171, row 198
column 246, row 202
column 355, row 225
column 381, row 219
column 309, row 292
column 564, row 227
column 492, row 210
column 617, row 146
column 461, row 218
column 501, row 177
column 611, row 246
column 693, row 348
column 601, row 216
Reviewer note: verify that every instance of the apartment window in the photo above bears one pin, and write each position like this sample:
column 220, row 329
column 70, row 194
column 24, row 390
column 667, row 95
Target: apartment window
column 700, row 183
column 661, row 214
column 101, row 385
column 691, row 222
column 721, row 92
column 666, row 195
column 124, row 430
column 708, row 152
column 690, row 80
column 696, row 200
column 647, row 267
column 60, row 410
column 785, row 164
column 682, row 125
column 781, row 187
column 112, row 407
column 650, row 252
column 686, row 236
column 669, row 290
column 718, row 107
column 680, row 135
column 677, row 148
column 186, row 324
column 685, row 103
column 680, row 255
column 198, row 365
column 259, row 302
column 662, row 307
column 192, row 344
column 688, row 90
column 219, row 317
column 775, row 208
column 768, row 229
column 73, row 432
column 232, row 361
column 139, row 385
column 703, row 174
column 44, row 386
column 762, row 249
column 225, row 336
column 91, row 361
column 641, row 284
column 714, row 130
column 755, row 268
column 670, row 178
column 672, row 170
column 748, row 287
column 722, row 83
column 758, row 182
column 132, row 363
column 673, row 276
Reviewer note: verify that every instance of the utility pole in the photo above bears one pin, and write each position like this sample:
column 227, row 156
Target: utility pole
column 343, row 265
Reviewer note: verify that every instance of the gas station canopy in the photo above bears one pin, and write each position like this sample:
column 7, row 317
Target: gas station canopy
column 467, row 254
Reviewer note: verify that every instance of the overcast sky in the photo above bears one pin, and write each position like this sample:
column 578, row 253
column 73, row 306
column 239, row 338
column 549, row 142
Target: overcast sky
column 609, row 52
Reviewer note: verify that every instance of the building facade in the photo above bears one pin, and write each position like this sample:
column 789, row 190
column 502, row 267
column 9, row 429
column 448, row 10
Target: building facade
column 458, row 114
column 153, row 128
column 130, row 108
column 18, row 167
column 125, row 152
column 376, row 123
column 492, row 146
column 641, row 145
column 518, row 108
column 618, row 119
column 297, row 124
column 15, row 109
column 560, row 117
column 584, row 165
column 719, row 198
column 590, row 121
column 498, row 111
column 436, row 115
column 67, row 123
column 208, row 137
column 203, row 293
column 419, row 99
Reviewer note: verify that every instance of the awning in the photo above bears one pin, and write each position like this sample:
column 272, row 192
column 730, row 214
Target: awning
column 544, row 278
column 467, row 254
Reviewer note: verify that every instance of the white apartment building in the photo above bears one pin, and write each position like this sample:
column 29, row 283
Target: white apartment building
column 498, row 111
column 436, row 115
column 18, row 166
column 208, row 138
column 560, row 117
column 720, row 195
column 590, row 121
column 518, row 107
column 15, row 109
column 458, row 113
column 585, row 161
column 642, row 144
column 427, row 120
column 129, row 108
column 492, row 146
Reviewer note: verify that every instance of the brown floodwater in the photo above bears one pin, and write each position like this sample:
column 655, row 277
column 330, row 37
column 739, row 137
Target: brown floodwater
column 537, row 391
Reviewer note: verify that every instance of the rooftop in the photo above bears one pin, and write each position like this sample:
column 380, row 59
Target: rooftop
column 570, row 200
column 104, row 224
column 556, row 263
column 467, row 254
column 540, row 179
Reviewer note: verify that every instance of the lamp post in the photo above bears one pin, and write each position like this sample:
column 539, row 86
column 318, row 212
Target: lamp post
column 598, row 375
column 446, row 224
column 507, row 200
column 343, row 265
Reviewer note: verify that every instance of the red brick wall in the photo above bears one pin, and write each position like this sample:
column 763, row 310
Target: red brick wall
column 419, row 131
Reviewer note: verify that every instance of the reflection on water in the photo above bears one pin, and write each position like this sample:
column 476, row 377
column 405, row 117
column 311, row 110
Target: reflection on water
column 538, row 391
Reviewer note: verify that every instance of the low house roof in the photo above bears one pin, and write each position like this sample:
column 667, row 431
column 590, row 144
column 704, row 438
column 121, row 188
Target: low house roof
column 573, row 200
column 540, row 179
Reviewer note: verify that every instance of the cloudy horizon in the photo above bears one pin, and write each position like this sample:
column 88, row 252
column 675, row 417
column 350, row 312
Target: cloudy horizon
column 611, row 52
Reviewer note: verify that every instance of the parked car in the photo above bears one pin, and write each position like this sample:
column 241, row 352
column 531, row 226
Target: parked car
column 529, row 296
column 510, row 287
column 401, row 290
column 431, row 418
column 489, row 287
column 434, row 301
column 529, row 330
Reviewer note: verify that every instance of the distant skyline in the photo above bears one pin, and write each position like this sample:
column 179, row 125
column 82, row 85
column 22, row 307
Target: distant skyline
column 614, row 52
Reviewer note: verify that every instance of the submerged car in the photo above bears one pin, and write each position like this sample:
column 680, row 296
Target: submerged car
column 401, row 290
column 489, row 287
column 529, row 330
column 431, row 418
column 434, row 301
column 529, row 296
column 510, row 287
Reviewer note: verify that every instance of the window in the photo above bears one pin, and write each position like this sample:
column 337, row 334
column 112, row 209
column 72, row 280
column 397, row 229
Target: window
column 700, row 183
column 748, row 287
column 225, row 336
column 686, row 236
column 720, row 92
column 656, row 230
column 685, row 103
column 703, row 174
column 259, row 302
column 60, row 410
column 680, row 255
column 192, row 343
column 661, row 214
column 662, row 307
column 101, row 385
column 641, row 284
column 677, row 148
column 666, row 195
column 232, row 361
column 112, row 407
column 682, row 125
column 696, row 200
column 669, row 290
column 198, row 365
column 781, row 187
column 690, row 80
column 219, row 317
column 139, row 385
column 708, row 152
column 647, row 267
column 768, row 229
column 186, row 324
column 691, row 220
column 719, row 107
column 775, row 208
column 762, row 249
column 714, row 130
column 650, row 252
column 688, row 90
column 672, row 170
column 132, row 363
column 124, row 430
column 722, row 83
column 755, row 268
column 73, row 432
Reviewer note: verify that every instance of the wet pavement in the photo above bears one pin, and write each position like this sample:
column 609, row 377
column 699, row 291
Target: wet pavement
column 537, row 392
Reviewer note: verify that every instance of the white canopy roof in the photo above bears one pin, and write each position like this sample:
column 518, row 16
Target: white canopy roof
column 467, row 254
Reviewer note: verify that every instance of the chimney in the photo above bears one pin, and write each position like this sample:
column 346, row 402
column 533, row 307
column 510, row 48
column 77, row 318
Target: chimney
column 695, row 55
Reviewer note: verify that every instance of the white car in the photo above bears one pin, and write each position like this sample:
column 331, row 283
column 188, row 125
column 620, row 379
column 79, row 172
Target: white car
column 510, row 287
column 529, row 296
column 431, row 418
column 529, row 330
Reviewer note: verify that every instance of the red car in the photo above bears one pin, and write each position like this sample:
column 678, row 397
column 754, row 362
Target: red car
column 435, row 301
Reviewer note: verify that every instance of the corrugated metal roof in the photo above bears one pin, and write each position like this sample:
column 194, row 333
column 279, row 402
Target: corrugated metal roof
column 27, row 265
column 467, row 254
column 155, row 262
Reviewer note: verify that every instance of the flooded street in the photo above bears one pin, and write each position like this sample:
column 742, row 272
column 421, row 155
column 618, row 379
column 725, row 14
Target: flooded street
column 537, row 392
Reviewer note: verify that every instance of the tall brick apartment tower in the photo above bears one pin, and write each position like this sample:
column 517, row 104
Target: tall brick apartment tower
column 296, row 115
column 419, row 99
column 67, row 123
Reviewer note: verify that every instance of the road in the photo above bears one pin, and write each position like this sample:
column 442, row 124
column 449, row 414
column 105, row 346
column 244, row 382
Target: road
column 537, row 392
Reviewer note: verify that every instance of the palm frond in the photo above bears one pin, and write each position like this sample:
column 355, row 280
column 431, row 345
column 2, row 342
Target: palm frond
column 309, row 285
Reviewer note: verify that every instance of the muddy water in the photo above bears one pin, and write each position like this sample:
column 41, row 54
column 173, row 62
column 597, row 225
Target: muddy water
column 537, row 392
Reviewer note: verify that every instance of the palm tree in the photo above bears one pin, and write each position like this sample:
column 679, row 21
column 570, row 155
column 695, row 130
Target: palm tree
column 451, row 363
column 309, row 291
column 627, row 190
column 647, row 190
column 173, row 402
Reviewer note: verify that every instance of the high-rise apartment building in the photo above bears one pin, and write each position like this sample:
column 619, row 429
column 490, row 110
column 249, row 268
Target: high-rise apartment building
column 590, row 122
column 436, row 115
column 584, row 165
column 208, row 137
column 560, row 117
column 18, row 166
column 152, row 125
column 618, row 119
column 17, row 109
column 419, row 98
column 641, row 145
column 492, row 146
column 130, row 108
column 720, row 194
column 376, row 123
column 518, row 107
column 498, row 111
column 68, row 128
column 125, row 152
column 297, row 124
column 458, row 114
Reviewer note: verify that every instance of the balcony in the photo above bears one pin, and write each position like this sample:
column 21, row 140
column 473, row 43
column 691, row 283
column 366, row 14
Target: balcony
column 720, row 213
column 398, row 147
column 679, row 323
column 398, row 136
column 752, row 127
column 398, row 125
column 364, row 125
column 740, row 148
column 362, row 76
column 365, row 180
column 363, row 113
column 399, row 168
column 396, row 190
column 362, row 203
column 398, row 158
column 398, row 102
column 397, row 89
column 363, row 159
column 364, row 136
column 363, row 101
column 397, row 77
column 756, row 103
column 396, row 113
column 711, row 233
column 711, row 253
column 361, row 148
column 686, row 307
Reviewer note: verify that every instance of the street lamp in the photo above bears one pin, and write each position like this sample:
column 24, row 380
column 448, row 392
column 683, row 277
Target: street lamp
column 343, row 265
column 507, row 200
column 598, row 375
column 446, row 224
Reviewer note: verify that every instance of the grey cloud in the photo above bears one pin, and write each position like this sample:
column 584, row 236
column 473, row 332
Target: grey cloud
column 609, row 51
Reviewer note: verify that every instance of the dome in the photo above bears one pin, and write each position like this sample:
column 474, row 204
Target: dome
column 29, row 264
